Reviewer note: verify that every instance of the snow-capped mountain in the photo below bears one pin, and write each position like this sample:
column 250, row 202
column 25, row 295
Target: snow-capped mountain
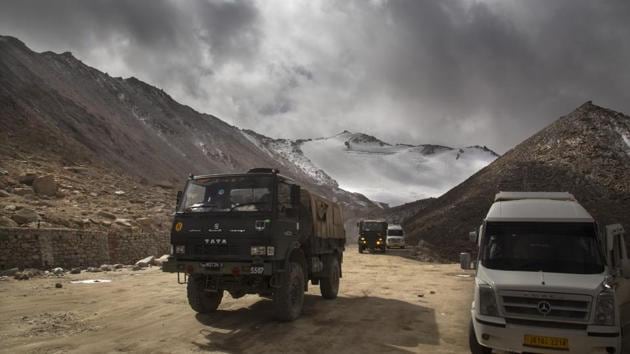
column 393, row 174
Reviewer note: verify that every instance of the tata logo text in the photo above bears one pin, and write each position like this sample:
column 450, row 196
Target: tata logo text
column 216, row 241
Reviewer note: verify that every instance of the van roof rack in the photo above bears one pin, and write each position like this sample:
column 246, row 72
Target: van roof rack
column 506, row 196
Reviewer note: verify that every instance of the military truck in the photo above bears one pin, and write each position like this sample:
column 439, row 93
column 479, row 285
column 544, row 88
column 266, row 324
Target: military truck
column 372, row 234
column 549, row 279
column 255, row 233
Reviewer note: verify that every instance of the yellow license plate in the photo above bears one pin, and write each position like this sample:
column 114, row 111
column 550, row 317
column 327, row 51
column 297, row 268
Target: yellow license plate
column 546, row 342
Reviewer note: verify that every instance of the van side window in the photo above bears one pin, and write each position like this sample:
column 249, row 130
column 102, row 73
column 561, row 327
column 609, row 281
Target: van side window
column 284, row 197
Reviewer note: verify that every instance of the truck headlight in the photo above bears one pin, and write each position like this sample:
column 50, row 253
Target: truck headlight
column 487, row 301
column 180, row 249
column 605, row 308
column 258, row 250
column 271, row 250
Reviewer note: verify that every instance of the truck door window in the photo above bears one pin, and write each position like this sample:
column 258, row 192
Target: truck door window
column 284, row 197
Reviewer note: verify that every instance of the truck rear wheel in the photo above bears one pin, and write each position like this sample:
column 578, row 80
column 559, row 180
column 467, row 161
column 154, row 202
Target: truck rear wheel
column 475, row 347
column 288, row 299
column 329, row 286
column 200, row 300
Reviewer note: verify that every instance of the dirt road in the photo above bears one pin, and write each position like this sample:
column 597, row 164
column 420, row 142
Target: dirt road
column 387, row 304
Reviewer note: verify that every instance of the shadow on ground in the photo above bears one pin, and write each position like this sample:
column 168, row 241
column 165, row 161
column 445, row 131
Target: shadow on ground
column 357, row 324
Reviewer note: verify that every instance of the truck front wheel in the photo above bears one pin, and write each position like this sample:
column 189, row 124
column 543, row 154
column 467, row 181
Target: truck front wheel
column 288, row 299
column 475, row 347
column 329, row 285
column 201, row 300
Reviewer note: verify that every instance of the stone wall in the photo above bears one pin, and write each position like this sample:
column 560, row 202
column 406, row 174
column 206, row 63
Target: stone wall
column 46, row 248
column 129, row 248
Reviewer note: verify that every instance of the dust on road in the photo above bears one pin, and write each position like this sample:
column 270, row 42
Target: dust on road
column 387, row 303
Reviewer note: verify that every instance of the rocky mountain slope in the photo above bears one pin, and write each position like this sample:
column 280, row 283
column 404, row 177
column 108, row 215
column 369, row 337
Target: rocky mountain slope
column 393, row 174
column 57, row 112
column 586, row 152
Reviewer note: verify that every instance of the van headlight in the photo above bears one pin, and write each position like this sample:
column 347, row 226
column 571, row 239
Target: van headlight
column 605, row 308
column 487, row 301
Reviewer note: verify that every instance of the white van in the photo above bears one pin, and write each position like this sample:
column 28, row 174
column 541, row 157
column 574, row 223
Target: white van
column 395, row 236
column 548, row 281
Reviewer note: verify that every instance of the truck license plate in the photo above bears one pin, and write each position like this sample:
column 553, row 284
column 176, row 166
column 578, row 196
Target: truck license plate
column 212, row 265
column 257, row 270
column 546, row 342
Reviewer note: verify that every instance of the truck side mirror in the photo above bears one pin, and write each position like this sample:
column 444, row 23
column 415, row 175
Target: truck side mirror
column 295, row 195
column 472, row 236
column 179, row 199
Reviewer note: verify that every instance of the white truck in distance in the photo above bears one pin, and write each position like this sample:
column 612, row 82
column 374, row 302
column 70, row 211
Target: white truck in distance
column 395, row 236
column 548, row 280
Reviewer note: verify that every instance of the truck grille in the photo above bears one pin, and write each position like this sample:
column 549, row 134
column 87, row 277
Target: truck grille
column 548, row 306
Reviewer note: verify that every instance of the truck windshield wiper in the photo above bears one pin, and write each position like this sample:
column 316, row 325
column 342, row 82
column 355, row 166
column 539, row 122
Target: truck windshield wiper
column 202, row 205
column 244, row 204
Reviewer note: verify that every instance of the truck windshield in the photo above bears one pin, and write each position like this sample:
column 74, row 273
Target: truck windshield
column 547, row 247
column 372, row 226
column 394, row 232
column 227, row 194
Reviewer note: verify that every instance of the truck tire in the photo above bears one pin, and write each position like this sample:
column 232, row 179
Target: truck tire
column 360, row 249
column 288, row 299
column 200, row 300
column 475, row 347
column 329, row 286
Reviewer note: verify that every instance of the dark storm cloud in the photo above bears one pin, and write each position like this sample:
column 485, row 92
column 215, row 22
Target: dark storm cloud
column 163, row 42
column 451, row 72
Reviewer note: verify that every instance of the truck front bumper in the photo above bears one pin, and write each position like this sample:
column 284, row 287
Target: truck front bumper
column 218, row 268
column 510, row 337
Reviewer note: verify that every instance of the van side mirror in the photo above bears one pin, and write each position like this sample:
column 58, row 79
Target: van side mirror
column 472, row 236
column 625, row 268
column 612, row 231
column 616, row 256
column 295, row 195
column 179, row 199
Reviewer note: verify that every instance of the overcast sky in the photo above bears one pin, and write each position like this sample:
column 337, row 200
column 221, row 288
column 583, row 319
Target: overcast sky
column 449, row 72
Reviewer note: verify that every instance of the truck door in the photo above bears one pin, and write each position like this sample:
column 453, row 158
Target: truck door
column 287, row 212
column 620, row 266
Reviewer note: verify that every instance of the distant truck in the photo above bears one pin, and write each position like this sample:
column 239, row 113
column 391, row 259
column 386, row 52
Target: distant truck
column 255, row 233
column 548, row 280
column 395, row 236
column 372, row 235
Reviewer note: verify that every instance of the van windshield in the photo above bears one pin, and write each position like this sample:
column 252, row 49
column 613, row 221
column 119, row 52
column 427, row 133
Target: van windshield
column 227, row 194
column 537, row 246
column 395, row 232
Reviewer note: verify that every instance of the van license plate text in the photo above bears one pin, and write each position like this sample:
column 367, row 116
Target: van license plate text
column 546, row 342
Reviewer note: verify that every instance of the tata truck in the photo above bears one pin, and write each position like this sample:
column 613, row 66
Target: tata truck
column 395, row 236
column 372, row 235
column 548, row 278
column 255, row 233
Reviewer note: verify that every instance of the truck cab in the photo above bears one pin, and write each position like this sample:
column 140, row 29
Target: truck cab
column 372, row 235
column 395, row 236
column 548, row 279
column 255, row 233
